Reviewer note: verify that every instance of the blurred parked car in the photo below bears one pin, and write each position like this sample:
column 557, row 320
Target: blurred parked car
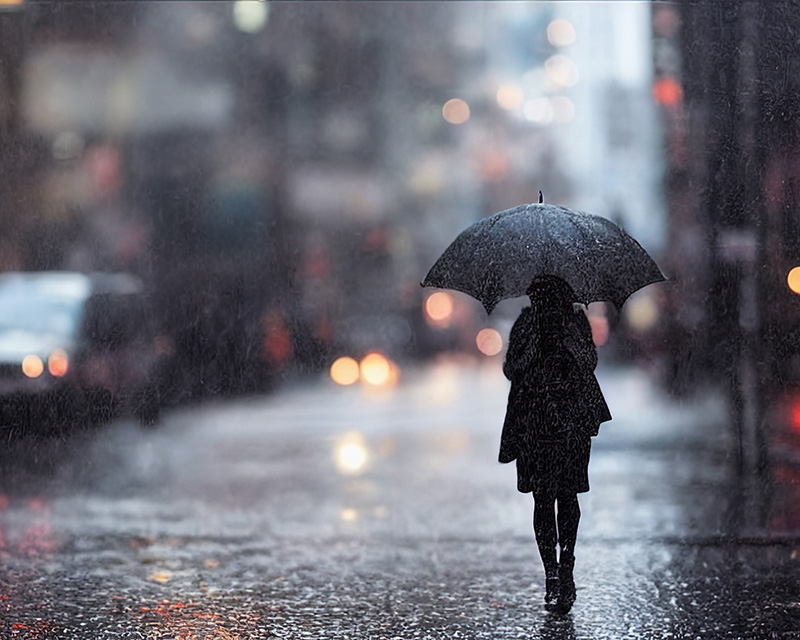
column 77, row 347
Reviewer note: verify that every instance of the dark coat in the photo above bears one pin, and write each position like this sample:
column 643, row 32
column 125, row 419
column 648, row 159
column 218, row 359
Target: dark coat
column 554, row 394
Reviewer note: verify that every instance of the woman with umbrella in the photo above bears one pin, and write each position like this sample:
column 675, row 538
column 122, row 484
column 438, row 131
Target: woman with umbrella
column 555, row 406
column 557, row 256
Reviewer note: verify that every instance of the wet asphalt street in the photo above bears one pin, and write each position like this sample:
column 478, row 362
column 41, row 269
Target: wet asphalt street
column 329, row 512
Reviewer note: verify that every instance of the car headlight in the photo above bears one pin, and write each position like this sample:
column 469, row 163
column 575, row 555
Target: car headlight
column 32, row 366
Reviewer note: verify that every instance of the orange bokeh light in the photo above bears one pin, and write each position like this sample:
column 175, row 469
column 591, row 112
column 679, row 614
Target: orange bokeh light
column 58, row 364
column 793, row 280
column 378, row 370
column 32, row 366
column 344, row 371
column 439, row 307
column 489, row 342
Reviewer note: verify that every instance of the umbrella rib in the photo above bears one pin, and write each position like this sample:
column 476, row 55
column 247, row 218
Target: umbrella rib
column 581, row 265
column 491, row 222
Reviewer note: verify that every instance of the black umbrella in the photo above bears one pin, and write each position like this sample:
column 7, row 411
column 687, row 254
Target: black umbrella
column 498, row 257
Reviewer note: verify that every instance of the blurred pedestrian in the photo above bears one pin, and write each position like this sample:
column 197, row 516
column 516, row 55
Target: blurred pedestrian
column 555, row 407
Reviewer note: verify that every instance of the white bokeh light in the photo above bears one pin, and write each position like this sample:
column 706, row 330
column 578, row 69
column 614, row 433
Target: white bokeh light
column 250, row 16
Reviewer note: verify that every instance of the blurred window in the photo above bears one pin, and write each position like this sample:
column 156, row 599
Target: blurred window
column 38, row 312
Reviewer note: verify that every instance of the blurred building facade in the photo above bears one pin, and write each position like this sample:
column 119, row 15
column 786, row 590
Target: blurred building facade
column 729, row 99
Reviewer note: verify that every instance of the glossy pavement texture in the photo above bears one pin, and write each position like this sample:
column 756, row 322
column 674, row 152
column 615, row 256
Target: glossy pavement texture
column 330, row 512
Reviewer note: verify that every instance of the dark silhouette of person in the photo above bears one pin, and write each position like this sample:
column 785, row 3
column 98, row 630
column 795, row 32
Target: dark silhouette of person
column 555, row 407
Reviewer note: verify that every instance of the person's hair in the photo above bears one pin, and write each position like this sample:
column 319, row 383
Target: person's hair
column 551, row 293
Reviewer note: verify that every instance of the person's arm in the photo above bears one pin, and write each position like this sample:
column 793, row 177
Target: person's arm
column 518, row 340
column 581, row 344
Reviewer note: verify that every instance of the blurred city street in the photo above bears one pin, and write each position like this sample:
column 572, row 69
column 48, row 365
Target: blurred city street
column 350, row 512
column 228, row 409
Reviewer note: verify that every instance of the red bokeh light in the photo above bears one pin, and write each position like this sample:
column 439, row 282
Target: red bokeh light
column 668, row 92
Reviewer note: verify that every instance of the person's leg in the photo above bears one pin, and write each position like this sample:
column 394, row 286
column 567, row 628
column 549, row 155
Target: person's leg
column 544, row 527
column 569, row 515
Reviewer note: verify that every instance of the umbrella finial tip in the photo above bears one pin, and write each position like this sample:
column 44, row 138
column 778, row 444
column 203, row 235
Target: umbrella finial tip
column 541, row 197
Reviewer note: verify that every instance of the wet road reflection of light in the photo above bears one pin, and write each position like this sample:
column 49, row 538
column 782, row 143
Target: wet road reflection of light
column 442, row 387
column 26, row 528
column 348, row 514
column 407, row 520
column 350, row 453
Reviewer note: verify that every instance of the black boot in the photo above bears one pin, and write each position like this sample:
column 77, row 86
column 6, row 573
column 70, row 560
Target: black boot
column 551, row 588
column 566, row 593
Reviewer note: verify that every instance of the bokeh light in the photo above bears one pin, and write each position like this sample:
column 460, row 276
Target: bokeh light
column 250, row 16
column 348, row 514
column 350, row 453
column 794, row 415
column 561, row 71
column 439, row 308
column 377, row 370
column 510, row 96
column 345, row 371
column 561, row 33
column 455, row 111
column 793, row 280
column 641, row 312
column 32, row 366
column 352, row 456
column 563, row 109
column 667, row 91
column 58, row 364
column 489, row 341
column 538, row 110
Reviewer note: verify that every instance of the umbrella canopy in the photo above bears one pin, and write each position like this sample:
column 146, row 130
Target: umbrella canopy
column 498, row 257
